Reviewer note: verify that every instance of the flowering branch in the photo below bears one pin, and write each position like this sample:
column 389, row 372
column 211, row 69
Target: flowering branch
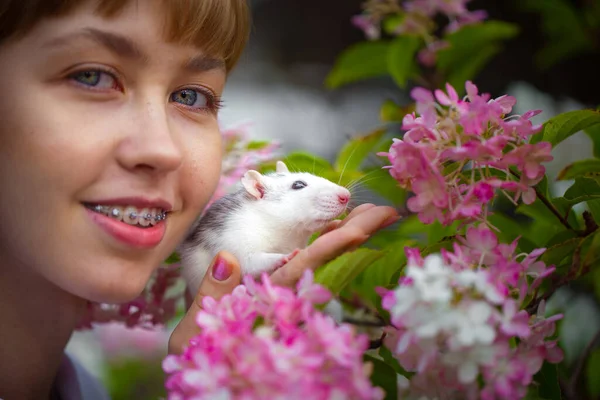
column 263, row 341
column 457, row 318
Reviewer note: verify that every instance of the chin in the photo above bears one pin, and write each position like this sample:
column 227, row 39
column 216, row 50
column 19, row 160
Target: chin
column 115, row 285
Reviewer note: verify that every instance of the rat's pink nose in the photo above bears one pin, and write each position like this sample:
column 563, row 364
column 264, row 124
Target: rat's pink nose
column 344, row 198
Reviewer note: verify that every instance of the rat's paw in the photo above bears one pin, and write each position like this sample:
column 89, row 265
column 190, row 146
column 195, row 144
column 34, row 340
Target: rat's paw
column 286, row 259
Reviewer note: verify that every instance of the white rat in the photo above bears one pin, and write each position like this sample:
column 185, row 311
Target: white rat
column 264, row 224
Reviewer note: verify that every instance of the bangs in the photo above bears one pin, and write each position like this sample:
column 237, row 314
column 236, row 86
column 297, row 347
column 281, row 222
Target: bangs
column 219, row 27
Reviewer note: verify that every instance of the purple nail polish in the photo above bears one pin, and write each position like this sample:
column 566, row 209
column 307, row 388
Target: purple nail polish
column 221, row 270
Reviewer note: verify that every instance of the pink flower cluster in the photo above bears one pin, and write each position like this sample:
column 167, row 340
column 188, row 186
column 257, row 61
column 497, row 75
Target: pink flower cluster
column 417, row 17
column 154, row 307
column 457, row 322
column 459, row 151
column 263, row 341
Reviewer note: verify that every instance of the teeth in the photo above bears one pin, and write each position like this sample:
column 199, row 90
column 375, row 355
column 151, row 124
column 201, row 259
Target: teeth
column 145, row 217
column 132, row 215
column 117, row 213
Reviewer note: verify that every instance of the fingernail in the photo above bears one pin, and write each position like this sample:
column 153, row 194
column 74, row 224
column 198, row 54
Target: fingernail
column 390, row 221
column 221, row 270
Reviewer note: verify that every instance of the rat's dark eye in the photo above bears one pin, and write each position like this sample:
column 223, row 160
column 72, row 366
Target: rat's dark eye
column 299, row 185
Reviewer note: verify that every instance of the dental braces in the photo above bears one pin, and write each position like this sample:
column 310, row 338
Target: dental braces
column 116, row 213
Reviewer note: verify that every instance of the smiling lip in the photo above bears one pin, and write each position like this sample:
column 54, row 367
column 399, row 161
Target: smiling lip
column 130, row 235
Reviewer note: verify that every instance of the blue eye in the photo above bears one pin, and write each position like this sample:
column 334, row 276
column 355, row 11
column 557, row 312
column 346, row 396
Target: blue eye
column 191, row 98
column 96, row 79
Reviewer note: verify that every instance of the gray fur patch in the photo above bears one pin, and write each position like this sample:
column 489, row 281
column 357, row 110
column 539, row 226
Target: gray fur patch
column 213, row 221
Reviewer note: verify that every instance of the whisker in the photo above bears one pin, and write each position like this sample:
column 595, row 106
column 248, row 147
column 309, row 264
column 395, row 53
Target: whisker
column 346, row 163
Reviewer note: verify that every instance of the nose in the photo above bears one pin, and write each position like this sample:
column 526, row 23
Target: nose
column 151, row 143
column 344, row 198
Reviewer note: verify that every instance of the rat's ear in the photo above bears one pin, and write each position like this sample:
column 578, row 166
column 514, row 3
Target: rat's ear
column 253, row 183
column 281, row 168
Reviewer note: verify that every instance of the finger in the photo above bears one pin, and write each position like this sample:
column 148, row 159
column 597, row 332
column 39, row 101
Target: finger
column 339, row 223
column 374, row 218
column 358, row 210
column 331, row 226
column 220, row 279
column 334, row 243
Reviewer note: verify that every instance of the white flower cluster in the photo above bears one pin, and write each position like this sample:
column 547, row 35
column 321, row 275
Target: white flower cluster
column 443, row 311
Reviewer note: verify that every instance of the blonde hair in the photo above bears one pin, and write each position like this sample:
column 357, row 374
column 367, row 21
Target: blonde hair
column 219, row 27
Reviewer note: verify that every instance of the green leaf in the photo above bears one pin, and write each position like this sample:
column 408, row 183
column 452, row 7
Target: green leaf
column 547, row 378
column 361, row 61
column 437, row 231
column 509, row 227
column 594, row 207
column 594, row 133
column 337, row 274
column 470, row 48
column 592, row 253
column 466, row 40
column 583, row 187
column 564, row 28
column 383, row 376
column 593, row 374
column 583, row 190
column 380, row 274
column 564, row 205
column 354, row 152
column 300, row 161
column 146, row 372
column 390, row 360
column 437, row 247
column 544, row 223
column 392, row 112
column 532, row 394
column 390, row 23
column 557, row 51
column 556, row 253
column 470, row 67
column 561, row 238
column 542, row 187
column 257, row 144
column 172, row 259
column 564, row 125
column 401, row 58
column 583, row 168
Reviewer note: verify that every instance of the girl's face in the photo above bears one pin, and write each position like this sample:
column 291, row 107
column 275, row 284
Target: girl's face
column 107, row 115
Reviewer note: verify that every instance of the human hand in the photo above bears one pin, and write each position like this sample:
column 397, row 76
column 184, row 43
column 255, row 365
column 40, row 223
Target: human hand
column 221, row 278
column 338, row 238
column 225, row 273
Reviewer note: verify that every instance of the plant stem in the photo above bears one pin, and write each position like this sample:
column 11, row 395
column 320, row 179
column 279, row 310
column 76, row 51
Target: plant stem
column 571, row 387
column 548, row 204
column 375, row 344
column 377, row 324
column 553, row 209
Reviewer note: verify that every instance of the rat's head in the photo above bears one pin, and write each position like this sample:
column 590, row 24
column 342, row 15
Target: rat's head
column 297, row 198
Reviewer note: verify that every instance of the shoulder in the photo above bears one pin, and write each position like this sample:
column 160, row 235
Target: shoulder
column 74, row 382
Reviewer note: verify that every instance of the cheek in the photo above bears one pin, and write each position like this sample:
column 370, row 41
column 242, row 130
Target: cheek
column 202, row 169
column 53, row 148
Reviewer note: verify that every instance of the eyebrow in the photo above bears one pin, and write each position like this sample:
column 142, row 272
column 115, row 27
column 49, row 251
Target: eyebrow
column 127, row 48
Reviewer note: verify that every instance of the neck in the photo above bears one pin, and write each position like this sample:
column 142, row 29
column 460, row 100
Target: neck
column 38, row 319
